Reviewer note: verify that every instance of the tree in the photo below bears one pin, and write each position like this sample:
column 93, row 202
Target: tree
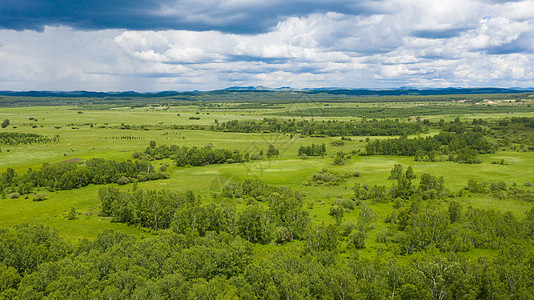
column 337, row 212
column 467, row 156
column 396, row 172
column 254, row 224
column 455, row 211
column 272, row 151
column 5, row 123
column 409, row 173
column 339, row 158
column 357, row 239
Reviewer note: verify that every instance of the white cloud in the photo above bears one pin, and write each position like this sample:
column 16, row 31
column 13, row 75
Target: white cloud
column 411, row 42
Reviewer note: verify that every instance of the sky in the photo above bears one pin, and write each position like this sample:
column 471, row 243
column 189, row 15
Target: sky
column 185, row 45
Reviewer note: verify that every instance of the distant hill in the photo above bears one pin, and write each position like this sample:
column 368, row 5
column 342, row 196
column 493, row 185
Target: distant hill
column 261, row 89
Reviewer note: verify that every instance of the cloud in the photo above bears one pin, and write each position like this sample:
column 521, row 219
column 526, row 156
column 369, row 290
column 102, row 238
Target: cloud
column 188, row 45
column 252, row 16
column 524, row 43
column 439, row 33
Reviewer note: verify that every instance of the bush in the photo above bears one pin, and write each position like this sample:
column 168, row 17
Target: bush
column 72, row 214
column 282, row 235
column 338, row 143
column 39, row 196
column 348, row 227
column 124, row 180
column 357, row 239
column 337, row 212
column 348, row 205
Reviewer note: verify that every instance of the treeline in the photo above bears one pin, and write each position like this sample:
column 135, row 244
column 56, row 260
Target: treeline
column 323, row 128
column 461, row 141
column 16, row 138
column 365, row 127
column 463, row 146
column 68, row 175
column 193, row 156
column 283, row 220
column 405, row 112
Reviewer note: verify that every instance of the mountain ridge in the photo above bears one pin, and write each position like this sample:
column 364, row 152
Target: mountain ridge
column 328, row 90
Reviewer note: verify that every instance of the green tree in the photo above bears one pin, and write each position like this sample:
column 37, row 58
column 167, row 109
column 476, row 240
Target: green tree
column 396, row 172
column 272, row 151
column 337, row 212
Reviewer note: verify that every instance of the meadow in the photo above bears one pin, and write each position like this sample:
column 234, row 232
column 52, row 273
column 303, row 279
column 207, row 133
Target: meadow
column 116, row 132
column 96, row 133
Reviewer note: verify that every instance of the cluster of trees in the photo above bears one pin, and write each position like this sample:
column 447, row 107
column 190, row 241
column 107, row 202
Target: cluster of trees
column 461, row 141
column 257, row 189
column 68, row 175
column 462, row 147
column 323, row 128
column 16, row 138
column 430, row 187
column 417, row 225
column 328, row 178
column 283, row 220
column 500, row 190
column 313, row 150
column 515, row 130
column 194, row 156
column 527, row 122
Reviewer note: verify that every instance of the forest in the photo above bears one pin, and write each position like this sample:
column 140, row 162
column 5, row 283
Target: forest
column 267, row 195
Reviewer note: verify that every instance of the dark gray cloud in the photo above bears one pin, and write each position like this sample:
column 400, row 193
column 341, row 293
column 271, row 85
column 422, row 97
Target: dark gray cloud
column 439, row 33
column 236, row 17
column 523, row 44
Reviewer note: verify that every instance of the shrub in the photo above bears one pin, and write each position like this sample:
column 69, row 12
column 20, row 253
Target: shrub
column 72, row 214
column 338, row 143
column 357, row 239
column 124, row 180
column 282, row 235
column 39, row 196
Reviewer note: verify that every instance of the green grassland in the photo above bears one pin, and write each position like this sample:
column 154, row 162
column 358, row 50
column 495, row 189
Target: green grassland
column 317, row 252
column 96, row 133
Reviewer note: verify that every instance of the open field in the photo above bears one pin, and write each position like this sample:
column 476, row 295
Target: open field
column 116, row 133
column 97, row 133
